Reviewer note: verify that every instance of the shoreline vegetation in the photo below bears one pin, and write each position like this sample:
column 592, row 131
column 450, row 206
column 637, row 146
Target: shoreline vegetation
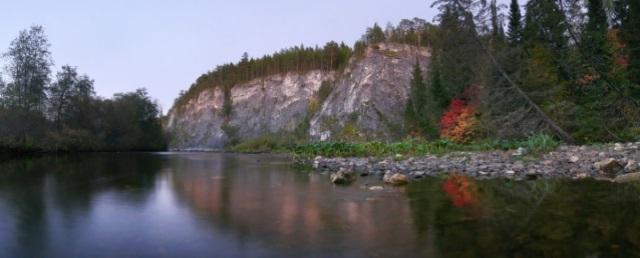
column 572, row 74
column 42, row 113
column 536, row 144
column 483, row 85
column 397, row 163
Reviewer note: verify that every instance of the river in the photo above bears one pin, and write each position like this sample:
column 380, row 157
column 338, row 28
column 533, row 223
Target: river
column 230, row 205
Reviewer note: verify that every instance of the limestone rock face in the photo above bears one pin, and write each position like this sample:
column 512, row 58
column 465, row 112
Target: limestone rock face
column 198, row 125
column 367, row 101
column 263, row 106
column 369, row 98
column 275, row 104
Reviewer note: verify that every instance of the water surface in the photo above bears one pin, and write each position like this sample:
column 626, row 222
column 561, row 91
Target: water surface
column 224, row 205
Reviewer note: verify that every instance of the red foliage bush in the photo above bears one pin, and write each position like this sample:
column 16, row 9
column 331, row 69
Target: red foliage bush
column 458, row 123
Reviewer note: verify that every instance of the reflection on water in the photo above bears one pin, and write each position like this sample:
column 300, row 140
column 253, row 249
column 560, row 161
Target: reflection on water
column 294, row 213
column 529, row 219
column 220, row 205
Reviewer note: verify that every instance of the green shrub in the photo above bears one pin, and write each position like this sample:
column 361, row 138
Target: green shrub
column 266, row 143
column 232, row 133
column 535, row 144
column 541, row 143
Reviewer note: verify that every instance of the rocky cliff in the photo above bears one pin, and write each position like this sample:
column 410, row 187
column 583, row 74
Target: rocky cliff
column 364, row 101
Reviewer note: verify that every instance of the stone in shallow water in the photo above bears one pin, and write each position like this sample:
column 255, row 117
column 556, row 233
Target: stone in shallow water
column 532, row 174
column 376, row 188
column 342, row 177
column 609, row 166
column 395, row 179
column 626, row 178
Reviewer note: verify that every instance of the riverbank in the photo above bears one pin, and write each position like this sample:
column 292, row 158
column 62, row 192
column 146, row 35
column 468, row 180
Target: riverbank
column 617, row 162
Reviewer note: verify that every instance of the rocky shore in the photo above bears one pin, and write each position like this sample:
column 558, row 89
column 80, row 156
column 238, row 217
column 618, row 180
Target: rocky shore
column 616, row 162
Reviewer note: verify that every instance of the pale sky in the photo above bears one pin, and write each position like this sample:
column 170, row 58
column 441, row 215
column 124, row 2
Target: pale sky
column 165, row 45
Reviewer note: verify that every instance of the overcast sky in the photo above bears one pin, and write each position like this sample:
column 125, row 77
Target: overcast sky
column 165, row 45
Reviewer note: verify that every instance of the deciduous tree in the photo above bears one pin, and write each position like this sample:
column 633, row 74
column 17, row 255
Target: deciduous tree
column 29, row 69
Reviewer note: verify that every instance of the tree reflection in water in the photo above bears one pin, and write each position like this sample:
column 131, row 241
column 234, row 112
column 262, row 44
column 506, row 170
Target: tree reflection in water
column 541, row 218
column 38, row 192
column 207, row 205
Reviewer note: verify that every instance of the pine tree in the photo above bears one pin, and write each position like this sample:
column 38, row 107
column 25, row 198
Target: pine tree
column 496, row 23
column 2, row 85
column 515, row 23
column 456, row 49
column 439, row 93
column 631, row 35
column 375, row 35
column 545, row 34
column 594, row 42
column 545, row 25
column 417, row 110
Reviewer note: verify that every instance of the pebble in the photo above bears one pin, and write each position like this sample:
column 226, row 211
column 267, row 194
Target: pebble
column 567, row 162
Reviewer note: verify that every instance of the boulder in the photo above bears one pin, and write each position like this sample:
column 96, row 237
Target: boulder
column 342, row 177
column 627, row 178
column 581, row 175
column 631, row 167
column 519, row 152
column 574, row 159
column 395, row 179
column 532, row 174
column 419, row 174
column 610, row 167
column 618, row 147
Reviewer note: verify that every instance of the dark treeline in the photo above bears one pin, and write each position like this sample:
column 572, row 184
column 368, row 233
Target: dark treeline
column 296, row 59
column 568, row 68
column 39, row 112
column 417, row 32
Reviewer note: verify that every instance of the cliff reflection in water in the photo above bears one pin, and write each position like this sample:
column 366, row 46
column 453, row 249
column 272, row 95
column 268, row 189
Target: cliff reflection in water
column 225, row 205
column 296, row 213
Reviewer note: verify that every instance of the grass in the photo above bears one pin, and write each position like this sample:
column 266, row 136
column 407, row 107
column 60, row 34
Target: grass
column 535, row 145
column 266, row 143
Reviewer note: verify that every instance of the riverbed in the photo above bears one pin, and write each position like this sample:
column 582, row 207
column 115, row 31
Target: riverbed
column 231, row 205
